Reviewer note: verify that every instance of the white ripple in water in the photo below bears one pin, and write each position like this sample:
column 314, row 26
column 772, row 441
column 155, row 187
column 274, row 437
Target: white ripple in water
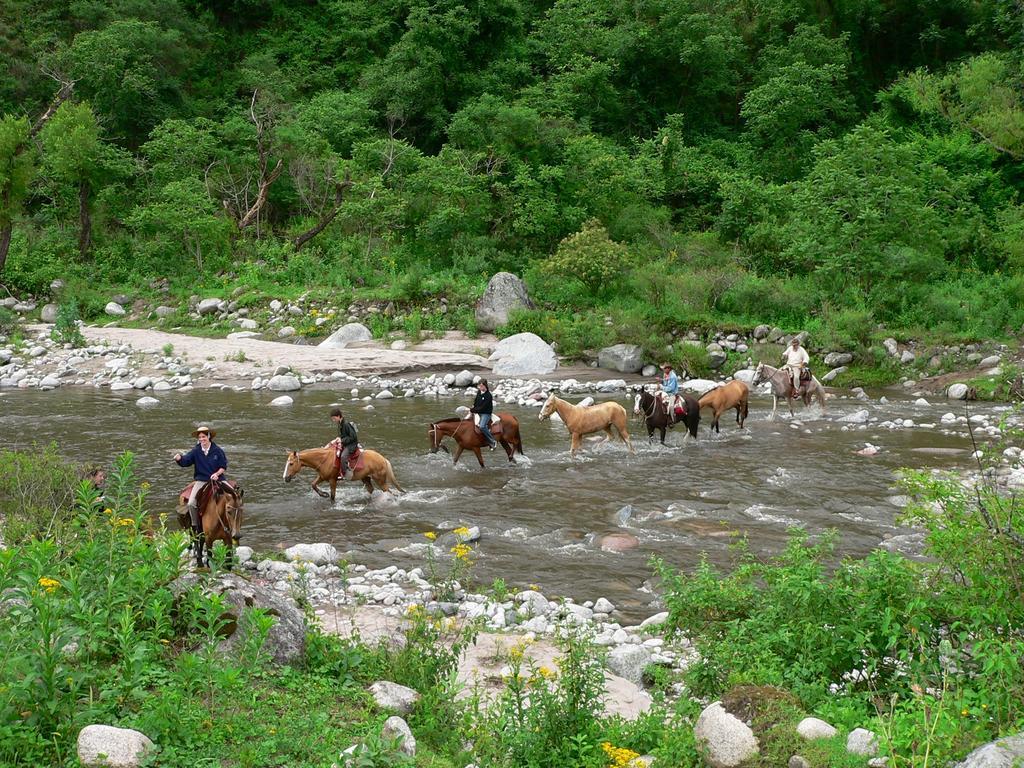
column 781, row 477
column 758, row 512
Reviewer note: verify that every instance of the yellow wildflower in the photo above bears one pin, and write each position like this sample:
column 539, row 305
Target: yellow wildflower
column 430, row 535
column 547, row 673
column 50, row 585
column 462, row 551
column 125, row 521
column 462, row 531
column 619, row 757
column 108, row 511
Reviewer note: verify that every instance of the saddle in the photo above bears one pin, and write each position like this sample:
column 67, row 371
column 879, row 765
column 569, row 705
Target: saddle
column 805, row 375
column 678, row 412
column 355, row 460
column 204, row 495
column 495, row 424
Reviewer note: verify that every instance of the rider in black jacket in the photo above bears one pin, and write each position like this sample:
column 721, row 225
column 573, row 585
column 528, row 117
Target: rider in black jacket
column 484, row 407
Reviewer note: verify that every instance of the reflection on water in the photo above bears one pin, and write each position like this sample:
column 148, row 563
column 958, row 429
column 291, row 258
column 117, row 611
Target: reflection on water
column 542, row 520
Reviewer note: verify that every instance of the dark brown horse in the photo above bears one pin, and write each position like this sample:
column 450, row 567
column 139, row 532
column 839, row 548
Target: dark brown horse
column 655, row 412
column 722, row 398
column 467, row 435
column 220, row 511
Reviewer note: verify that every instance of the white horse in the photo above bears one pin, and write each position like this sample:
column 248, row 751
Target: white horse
column 782, row 386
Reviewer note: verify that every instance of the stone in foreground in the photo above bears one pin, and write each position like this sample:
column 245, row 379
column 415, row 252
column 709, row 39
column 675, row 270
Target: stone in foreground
column 395, row 697
column 105, row 745
column 725, row 740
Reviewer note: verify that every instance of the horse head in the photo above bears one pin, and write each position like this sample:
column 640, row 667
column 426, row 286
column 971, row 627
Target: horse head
column 759, row 375
column 435, row 438
column 549, row 407
column 291, row 466
column 637, row 400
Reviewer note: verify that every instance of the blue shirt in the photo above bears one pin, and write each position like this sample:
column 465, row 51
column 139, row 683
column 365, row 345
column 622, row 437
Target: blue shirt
column 670, row 384
column 205, row 464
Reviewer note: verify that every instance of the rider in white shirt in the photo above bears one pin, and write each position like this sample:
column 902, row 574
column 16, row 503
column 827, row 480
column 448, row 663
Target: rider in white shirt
column 795, row 358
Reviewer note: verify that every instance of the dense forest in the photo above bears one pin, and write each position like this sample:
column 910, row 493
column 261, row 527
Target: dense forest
column 643, row 165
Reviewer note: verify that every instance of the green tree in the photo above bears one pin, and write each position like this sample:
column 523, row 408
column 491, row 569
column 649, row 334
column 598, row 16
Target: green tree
column 591, row 257
column 17, row 167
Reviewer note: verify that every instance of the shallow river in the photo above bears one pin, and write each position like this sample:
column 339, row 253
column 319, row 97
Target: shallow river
column 542, row 519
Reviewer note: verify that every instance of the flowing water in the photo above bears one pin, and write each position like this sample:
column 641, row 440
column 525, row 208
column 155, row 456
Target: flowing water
column 542, row 520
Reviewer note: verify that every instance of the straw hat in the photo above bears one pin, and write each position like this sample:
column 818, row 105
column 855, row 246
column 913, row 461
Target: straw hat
column 666, row 365
column 204, row 428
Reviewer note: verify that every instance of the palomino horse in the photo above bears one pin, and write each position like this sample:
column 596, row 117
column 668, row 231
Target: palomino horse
column 782, row 386
column 720, row 399
column 656, row 415
column 221, row 511
column 468, row 435
column 371, row 466
column 584, row 421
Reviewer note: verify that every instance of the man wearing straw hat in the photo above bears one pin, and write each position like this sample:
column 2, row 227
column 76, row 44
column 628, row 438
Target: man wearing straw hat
column 209, row 463
column 670, row 390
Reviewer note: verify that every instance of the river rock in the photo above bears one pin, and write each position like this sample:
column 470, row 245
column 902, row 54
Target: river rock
column 1001, row 753
column 698, row 386
column 989, row 362
column 831, row 375
column 49, row 382
column 105, row 745
column 396, row 728
column 286, row 641
column 533, row 603
column 625, row 358
column 957, row 391
column 281, row 401
column 618, row 542
column 48, row 314
column 523, row 354
column 629, row 661
column 318, row 554
column 142, row 382
column 725, row 740
column 813, row 728
column 862, row 742
column 164, row 311
column 463, row 379
column 142, row 402
column 907, row 357
column 37, row 351
column 247, row 324
column 746, row 376
column 285, row 332
column 717, row 358
column 114, row 309
column 283, row 383
column 348, row 333
column 892, row 348
column 208, row 306
column 648, row 371
column 761, row 332
column 857, row 417
column 393, row 696
column 504, row 293
column 603, row 605
column 835, row 359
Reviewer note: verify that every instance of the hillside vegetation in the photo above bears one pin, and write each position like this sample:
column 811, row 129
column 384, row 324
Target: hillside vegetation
column 645, row 166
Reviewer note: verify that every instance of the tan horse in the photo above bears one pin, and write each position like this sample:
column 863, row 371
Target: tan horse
column 374, row 468
column 782, row 386
column 584, row 421
column 720, row 399
column 220, row 519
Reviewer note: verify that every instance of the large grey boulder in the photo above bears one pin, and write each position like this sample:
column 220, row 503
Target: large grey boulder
column 862, row 742
column 318, row 554
column 208, row 306
column 533, row 603
column 725, row 740
column 48, row 314
column 835, row 359
column 813, row 728
column 989, row 362
column 629, row 661
column 699, row 386
column 523, row 354
column 394, row 697
column 114, row 309
column 504, row 293
column 286, row 641
column 1001, row 753
column 348, row 333
column 284, row 383
column 625, row 358
column 105, row 745
column 831, row 375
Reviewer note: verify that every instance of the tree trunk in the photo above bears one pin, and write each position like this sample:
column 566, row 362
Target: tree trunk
column 84, row 220
column 320, row 226
column 5, row 243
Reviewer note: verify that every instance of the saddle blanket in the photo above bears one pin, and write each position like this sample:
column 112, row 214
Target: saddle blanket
column 495, row 424
column 204, row 495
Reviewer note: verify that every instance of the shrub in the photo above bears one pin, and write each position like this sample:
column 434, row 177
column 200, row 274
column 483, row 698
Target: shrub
column 591, row 257
column 65, row 328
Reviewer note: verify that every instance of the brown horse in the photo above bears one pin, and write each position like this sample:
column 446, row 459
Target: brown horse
column 720, row 399
column 782, row 386
column 220, row 510
column 584, row 421
column 468, row 435
column 372, row 467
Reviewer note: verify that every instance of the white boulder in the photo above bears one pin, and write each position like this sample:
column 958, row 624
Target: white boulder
column 105, row 745
column 348, row 333
column 318, row 554
column 523, row 354
column 725, row 740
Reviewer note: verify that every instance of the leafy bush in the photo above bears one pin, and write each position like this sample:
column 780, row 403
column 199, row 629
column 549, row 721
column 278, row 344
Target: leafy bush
column 65, row 327
column 37, row 493
column 591, row 257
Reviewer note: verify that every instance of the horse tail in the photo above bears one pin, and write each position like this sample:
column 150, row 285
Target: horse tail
column 746, row 407
column 820, row 392
column 519, row 442
column 391, row 477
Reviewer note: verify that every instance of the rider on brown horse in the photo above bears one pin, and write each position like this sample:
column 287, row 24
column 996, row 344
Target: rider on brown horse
column 209, row 463
column 345, row 443
column 483, row 406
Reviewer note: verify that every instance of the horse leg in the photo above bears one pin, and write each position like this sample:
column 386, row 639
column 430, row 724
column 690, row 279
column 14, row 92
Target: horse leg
column 662, row 430
column 458, row 452
column 574, row 444
column 607, row 434
column 320, row 493
column 334, row 485
column 476, row 450
column 369, row 486
column 200, row 543
column 624, row 436
column 229, row 556
column 509, row 450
